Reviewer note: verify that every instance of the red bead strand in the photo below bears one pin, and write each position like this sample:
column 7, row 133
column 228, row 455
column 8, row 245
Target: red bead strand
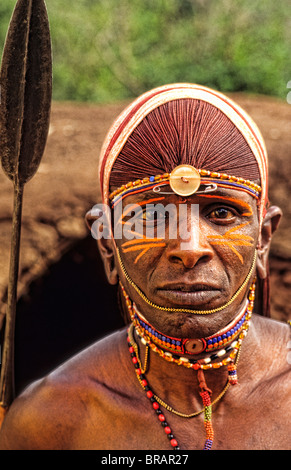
column 150, row 396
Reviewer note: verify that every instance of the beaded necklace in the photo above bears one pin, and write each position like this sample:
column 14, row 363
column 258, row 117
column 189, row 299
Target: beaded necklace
column 207, row 363
column 190, row 346
column 157, row 402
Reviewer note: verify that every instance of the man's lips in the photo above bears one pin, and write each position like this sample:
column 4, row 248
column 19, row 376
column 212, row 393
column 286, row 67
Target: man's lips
column 188, row 286
column 195, row 294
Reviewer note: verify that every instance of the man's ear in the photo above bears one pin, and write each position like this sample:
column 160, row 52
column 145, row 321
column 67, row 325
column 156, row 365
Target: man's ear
column 106, row 250
column 105, row 245
column 269, row 226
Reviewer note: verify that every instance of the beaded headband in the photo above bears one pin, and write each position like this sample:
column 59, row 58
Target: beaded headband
column 185, row 180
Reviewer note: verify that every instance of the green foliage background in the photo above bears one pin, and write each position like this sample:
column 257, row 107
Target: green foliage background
column 107, row 50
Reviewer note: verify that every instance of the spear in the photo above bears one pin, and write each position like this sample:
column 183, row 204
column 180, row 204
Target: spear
column 26, row 88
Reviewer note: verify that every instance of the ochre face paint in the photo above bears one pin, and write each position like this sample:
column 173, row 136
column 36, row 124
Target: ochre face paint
column 231, row 239
column 128, row 209
column 248, row 210
column 143, row 245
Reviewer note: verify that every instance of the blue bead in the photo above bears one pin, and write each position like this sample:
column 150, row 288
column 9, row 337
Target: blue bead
column 152, row 179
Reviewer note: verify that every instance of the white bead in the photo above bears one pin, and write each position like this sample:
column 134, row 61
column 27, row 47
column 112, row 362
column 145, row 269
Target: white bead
column 207, row 360
column 184, row 359
column 168, row 354
column 221, row 353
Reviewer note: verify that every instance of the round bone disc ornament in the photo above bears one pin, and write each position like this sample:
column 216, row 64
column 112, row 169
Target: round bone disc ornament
column 195, row 346
column 185, row 180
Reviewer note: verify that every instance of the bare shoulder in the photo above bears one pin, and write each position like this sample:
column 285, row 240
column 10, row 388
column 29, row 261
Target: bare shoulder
column 51, row 411
column 275, row 333
column 275, row 347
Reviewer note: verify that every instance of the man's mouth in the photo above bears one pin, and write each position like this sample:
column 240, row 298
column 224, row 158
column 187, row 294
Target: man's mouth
column 189, row 294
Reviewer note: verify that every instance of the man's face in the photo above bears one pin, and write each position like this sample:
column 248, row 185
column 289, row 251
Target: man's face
column 199, row 262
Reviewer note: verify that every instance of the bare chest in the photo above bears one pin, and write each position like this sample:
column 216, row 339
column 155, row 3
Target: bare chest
column 138, row 427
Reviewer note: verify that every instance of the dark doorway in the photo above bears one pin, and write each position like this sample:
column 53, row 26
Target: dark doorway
column 66, row 310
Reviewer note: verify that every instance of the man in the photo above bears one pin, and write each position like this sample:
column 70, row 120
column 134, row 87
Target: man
column 185, row 229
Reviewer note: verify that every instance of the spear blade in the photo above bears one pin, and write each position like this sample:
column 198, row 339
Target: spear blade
column 26, row 89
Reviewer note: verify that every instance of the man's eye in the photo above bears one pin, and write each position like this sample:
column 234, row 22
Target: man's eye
column 153, row 216
column 222, row 213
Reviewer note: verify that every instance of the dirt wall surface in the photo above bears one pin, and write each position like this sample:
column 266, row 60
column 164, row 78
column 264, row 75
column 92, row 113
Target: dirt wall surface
column 66, row 186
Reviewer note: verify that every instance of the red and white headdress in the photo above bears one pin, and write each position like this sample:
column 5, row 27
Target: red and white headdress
column 134, row 114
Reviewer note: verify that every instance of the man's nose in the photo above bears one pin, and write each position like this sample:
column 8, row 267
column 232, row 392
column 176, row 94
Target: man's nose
column 191, row 246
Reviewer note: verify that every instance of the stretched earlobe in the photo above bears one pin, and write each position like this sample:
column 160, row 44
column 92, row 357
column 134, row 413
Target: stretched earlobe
column 107, row 252
column 269, row 227
column 105, row 244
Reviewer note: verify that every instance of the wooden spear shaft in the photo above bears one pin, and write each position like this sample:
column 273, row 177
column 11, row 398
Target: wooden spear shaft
column 7, row 384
